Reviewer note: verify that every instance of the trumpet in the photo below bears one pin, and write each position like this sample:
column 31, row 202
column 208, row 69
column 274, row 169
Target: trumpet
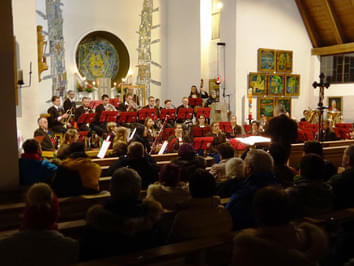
column 66, row 121
column 110, row 107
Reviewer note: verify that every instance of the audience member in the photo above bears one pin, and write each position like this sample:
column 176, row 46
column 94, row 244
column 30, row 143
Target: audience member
column 124, row 223
column 203, row 215
column 120, row 148
column 225, row 152
column 310, row 195
column 169, row 191
column 77, row 174
column 39, row 242
column 258, row 172
column 283, row 173
column 70, row 136
column 139, row 161
column 276, row 241
column 188, row 161
column 234, row 176
column 343, row 184
column 33, row 168
column 316, row 147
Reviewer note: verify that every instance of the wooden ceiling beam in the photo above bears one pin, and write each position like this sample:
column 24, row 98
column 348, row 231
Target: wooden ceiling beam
column 308, row 23
column 334, row 49
column 337, row 29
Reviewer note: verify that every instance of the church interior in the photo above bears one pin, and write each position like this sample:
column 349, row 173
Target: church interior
column 261, row 59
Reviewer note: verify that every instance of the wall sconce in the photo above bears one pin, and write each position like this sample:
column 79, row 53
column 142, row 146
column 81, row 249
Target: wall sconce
column 20, row 81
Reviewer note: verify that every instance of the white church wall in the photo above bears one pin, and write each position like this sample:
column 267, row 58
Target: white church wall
column 24, row 22
column 183, row 48
column 274, row 24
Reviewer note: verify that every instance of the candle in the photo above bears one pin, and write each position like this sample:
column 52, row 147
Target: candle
column 20, row 75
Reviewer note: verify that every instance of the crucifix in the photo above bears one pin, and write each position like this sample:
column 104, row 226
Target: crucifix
column 320, row 106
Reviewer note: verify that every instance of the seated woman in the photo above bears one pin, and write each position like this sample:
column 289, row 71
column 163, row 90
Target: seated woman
column 77, row 174
column 70, row 136
column 121, row 135
column 141, row 136
column 111, row 130
column 219, row 137
column 255, row 129
column 194, row 92
column 236, row 129
column 234, row 176
column 150, row 130
column 124, row 223
column 39, row 242
column 33, row 168
column 201, row 128
column 169, row 191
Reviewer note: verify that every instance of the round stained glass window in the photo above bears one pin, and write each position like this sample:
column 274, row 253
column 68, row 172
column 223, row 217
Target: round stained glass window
column 101, row 54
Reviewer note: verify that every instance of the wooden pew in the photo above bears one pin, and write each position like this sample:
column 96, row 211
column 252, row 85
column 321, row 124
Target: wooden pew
column 332, row 151
column 71, row 208
column 166, row 254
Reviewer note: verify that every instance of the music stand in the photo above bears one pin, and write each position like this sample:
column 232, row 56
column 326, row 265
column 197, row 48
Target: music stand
column 185, row 113
column 127, row 117
column 170, row 112
column 86, row 118
column 167, row 132
column 205, row 111
column 226, row 127
column 144, row 113
column 195, row 101
column 114, row 102
column 83, row 135
column 202, row 143
column 200, row 131
column 108, row 116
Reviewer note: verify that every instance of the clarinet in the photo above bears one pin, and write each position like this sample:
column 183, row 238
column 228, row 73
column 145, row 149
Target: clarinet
column 157, row 139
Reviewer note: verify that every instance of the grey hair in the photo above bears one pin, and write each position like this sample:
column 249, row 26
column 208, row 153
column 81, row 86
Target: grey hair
column 259, row 161
column 126, row 184
column 234, row 168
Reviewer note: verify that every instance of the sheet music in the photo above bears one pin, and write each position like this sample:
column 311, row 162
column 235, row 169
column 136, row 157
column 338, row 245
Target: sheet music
column 163, row 148
column 104, row 148
column 132, row 135
column 251, row 140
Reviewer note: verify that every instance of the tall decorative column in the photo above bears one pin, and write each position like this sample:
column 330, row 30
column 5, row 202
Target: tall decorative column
column 56, row 46
column 144, row 49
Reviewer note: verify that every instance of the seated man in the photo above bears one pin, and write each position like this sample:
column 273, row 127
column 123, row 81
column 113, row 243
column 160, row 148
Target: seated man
column 33, row 168
column 57, row 116
column 343, row 184
column 137, row 160
column 310, row 196
column 203, row 216
column 39, row 242
column 124, row 223
column 316, row 147
column 83, row 109
column 258, row 173
column 276, row 241
column 44, row 137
